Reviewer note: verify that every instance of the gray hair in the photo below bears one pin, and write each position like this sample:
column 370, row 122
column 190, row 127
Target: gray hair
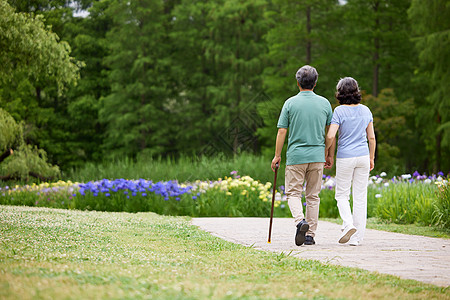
column 348, row 84
column 347, row 91
column 307, row 77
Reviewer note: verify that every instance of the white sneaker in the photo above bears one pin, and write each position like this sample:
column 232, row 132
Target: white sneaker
column 347, row 234
column 354, row 243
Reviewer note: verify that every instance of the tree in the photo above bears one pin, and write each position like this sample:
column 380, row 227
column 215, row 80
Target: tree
column 302, row 32
column 78, row 122
column 136, row 113
column 393, row 133
column 220, row 53
column 431, row 27
column 30, row 54
column 376, row 45
column 36, row 69
column 26, row 160
column 28, row 48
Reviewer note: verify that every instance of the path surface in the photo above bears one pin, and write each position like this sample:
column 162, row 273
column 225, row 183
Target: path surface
column 412, row 257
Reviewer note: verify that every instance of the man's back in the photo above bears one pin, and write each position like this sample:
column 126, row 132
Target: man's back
column 306, row 116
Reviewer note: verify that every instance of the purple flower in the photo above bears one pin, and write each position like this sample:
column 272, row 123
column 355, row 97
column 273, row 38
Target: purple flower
column 416, row 174
column 233, row 172
column 440, row 173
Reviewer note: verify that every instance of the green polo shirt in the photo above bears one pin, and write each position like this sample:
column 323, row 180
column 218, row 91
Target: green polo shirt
column 306, row 115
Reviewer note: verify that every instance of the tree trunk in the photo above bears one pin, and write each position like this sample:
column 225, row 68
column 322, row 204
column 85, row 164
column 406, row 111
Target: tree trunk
column 376, row 53
column 143, row 132
column 308, row 35
column 38, row 95
column 238, row 91
column 6, row 154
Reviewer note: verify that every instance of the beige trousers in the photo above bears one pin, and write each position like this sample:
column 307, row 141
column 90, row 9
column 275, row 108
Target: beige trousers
column 295, row 177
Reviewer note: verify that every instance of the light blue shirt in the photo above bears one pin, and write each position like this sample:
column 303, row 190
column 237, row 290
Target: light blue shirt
column 352, row 137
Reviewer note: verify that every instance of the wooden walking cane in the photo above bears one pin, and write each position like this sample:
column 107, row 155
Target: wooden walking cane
column 273, row 201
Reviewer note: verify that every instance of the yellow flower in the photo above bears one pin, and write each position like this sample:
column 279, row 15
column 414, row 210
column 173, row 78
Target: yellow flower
column 228, row 194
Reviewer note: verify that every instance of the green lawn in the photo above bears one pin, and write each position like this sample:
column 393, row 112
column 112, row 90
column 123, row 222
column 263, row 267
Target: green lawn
column 57, row 254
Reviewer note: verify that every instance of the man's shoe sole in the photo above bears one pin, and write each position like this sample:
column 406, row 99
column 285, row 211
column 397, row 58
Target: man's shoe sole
column 300, row 235
column 309, row 243
column 346, row 237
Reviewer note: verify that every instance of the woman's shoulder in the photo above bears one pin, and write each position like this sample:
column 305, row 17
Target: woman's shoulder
column 365, row 108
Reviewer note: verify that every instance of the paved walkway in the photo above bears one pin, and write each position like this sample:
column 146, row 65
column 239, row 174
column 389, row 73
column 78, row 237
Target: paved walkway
column 412, row 257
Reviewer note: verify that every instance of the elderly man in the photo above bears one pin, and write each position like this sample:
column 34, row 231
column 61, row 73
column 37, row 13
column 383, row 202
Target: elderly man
column 307, row 116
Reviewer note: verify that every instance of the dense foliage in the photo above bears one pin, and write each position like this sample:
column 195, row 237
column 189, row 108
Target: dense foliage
column 19, row 160
column 165, row 78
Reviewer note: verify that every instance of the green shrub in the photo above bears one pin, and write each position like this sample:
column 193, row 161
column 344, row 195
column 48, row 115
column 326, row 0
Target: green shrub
column 441, row 214
column 10, row 131
column 407, row 203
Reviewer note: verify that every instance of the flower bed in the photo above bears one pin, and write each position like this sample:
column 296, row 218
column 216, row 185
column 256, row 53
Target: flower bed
column 402, row 199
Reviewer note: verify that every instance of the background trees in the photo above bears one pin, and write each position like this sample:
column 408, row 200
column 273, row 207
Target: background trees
column 432, row 38
column 164, row 78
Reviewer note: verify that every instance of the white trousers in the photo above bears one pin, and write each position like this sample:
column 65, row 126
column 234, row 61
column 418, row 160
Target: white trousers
column 353, row 173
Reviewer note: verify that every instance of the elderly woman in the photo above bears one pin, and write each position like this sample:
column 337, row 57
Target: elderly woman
column 354, row 159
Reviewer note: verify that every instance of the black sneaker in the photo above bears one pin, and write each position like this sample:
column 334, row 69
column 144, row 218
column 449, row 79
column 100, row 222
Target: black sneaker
column 309, row 240
column 302, row 228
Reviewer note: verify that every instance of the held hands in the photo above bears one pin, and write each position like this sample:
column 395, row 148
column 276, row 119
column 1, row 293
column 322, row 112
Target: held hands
column 276, row 160
column 329, row 160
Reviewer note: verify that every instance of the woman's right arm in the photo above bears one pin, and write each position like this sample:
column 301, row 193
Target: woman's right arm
column 330, row 145
column 372, row 144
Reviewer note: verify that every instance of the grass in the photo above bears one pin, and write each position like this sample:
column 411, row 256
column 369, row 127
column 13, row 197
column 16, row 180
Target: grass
column 413, row 229
column 53, row 253
column 182, row 169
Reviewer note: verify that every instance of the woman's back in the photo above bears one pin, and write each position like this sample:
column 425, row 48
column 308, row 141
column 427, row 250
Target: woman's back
column 353, row 121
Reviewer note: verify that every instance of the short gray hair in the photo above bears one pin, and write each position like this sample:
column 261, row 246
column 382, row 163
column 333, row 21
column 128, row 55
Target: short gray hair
column 307, row 77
